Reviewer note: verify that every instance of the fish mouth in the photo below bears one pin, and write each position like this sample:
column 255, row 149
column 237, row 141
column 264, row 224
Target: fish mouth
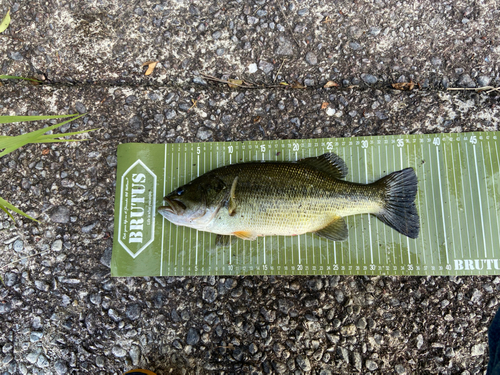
column 173, row 207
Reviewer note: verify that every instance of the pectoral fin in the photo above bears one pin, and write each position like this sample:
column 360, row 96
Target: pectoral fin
column 232, row 198
column 245, row 235
column 335, row 231
column 223, row 240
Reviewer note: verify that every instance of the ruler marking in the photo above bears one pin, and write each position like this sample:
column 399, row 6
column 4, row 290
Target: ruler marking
column 464, row 146
column 480, row 202
column 453, row 167
column 419, row 203
column 495, row 191
column 472, row 200
column 407, row 238
column 163, row 219
column 490, row 219
column 356, row 248
column 442, row 204
column 427, row 207
column 449, row 198
column 434, row 204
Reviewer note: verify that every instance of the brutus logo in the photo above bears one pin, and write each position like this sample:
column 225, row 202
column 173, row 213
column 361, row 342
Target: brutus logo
column 477, row 264
column 137, row 214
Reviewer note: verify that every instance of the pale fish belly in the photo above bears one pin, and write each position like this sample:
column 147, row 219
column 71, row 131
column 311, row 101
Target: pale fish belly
column 287, row 218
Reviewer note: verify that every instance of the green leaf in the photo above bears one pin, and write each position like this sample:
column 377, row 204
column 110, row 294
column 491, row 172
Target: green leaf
column 5, row 22
column 13, row 143
column 9, row 119
column 16, row 77
column 4, row 205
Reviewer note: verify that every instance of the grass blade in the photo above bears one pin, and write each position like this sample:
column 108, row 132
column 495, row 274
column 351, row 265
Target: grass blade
column 16, row 77
column 9, row 145
column 4, row 205
column 9, row 119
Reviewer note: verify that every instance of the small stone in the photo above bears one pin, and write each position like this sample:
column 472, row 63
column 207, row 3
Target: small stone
column 374, row 30
column 18, row 246
column 349, row 330
column 355, row 46
column 220, row 51
column 339, row 295
column 252, row 20
column 420, row 341
column 358, row 362
column 16, row 56
column 5, row 308
column 266, row 67
column 100, row 361
column 476, row 296
column 61, row 367
column 10, row 279
column 400, row 370
column 285, row 47
column 88, row 228
column 371, row 365
column 204, row 133
column 303, row 12
column 449, row 352
column 57, row 245
column 311, row 58
column 135, row 353
column 192, row 337
column 130, row 99
column 106, row 257
column 112, row 160
column 361, row 324
column 60, row 215
column 369, row 79
column 483, row 81
column 80, row 107
column 252, row 348
column 269, row 315
column 199, row 81
column 355, row 32
column 303, row 363
column 32, row 357
column 209, row 294
column 114, row 315
column 466, row 81
column 330, row 111
column 252, row 68
column 436, row 61
column 36, row 336
column 308, row 82
column 170, row 114
column 41, row 285
column 477, row 350
column 133, row 311
column 42, row 361
column 216, row 35
column 118, row 352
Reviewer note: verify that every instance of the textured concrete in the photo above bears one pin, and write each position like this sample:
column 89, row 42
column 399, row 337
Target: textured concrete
column 60, row 312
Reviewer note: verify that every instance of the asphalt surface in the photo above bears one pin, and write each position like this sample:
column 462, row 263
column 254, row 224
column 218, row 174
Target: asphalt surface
column 61, row 312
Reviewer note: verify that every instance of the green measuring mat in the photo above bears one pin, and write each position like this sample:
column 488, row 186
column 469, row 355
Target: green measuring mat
column 458, row 202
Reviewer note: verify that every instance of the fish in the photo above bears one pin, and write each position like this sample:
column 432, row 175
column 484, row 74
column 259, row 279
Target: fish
column 271, row 198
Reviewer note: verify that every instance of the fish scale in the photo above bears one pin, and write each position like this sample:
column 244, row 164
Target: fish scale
column 458, row 202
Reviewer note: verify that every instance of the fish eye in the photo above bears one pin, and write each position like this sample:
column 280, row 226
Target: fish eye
column 180, row 191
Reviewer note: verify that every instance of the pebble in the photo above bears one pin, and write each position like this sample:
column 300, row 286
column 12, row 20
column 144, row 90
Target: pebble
column 349, row 330
column 135, row 353
column 303, row 12
column 308, row 82
column 56, row 245
column 420, row 341
column 266, row 67
column 303, row 363
column 357, row 361
column 216, row 35
column 88, row 228
column 311, row 58
column 436, row 61
column 369, row 79
column 285, row 47
column 42, row 361
column 477, row 350
column 133, row 311
column 16, row 56
column 192, row 337
column 400, row 369
column 61, row 367
column 209, row 294
column 32, row 357
column 36, row 336
column 118, row 352
column 60, row 215
column 220, row 51
column 355, row 46
column 371, row 365
column 199, row 81
column 170, row 114
column 204, row 133
column 330, row 111
column 483, row 81
column 18, row 246
column 374, row 30
column 466, row 81
column 252, row 68
column 112, row 160
column 80, row 107
column 10, row 279
column 100, row 361
column 41, row 285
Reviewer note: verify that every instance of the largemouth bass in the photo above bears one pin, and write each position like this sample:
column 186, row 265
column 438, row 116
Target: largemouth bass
column 254, row 199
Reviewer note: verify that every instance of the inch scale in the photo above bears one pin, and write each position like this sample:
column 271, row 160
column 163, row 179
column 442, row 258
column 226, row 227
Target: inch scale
column 458, row 202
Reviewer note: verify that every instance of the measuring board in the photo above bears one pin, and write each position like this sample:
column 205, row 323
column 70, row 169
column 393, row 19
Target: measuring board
column 458, row 202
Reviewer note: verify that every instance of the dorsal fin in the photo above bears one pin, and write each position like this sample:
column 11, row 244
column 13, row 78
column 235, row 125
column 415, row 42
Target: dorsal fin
column 329, row 163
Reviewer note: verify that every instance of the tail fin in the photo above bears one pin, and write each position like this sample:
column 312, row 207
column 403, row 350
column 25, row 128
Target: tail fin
column 399, row 211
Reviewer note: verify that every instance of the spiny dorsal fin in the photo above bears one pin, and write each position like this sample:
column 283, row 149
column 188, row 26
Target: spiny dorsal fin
column 223, row 240
column 232, row 198
column 335, row 231
column 329, row 163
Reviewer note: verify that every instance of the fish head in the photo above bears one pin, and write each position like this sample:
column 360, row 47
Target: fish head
column 195, row 203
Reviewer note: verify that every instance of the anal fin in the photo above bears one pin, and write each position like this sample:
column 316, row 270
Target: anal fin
column 335, row 231
column 223, row 240
column 245, row 235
